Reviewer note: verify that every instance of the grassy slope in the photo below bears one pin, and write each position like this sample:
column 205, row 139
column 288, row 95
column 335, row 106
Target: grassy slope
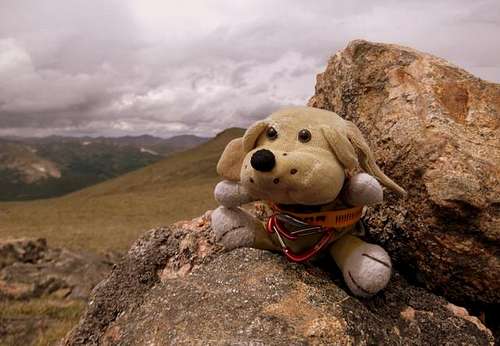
column 111, row 215
column 41, row 321
column 81, row 164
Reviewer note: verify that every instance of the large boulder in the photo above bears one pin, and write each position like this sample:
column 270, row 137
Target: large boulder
column 434, row 128
column 176, row 287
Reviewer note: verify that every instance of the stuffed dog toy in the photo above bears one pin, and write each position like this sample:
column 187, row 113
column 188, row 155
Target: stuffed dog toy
column 302, row 161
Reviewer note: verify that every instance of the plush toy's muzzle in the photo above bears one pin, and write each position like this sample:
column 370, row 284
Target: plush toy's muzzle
column 296, row 176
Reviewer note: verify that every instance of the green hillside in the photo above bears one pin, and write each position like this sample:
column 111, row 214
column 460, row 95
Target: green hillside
column 35, row 168
column 111, row 215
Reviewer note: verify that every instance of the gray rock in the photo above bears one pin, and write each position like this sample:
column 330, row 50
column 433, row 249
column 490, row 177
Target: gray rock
column 31, row 269
column 42, row 289
column 21, row 250
column 176, row 287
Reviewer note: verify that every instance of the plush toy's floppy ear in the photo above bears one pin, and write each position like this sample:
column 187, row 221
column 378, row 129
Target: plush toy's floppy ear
column 351, row 149
column 252, row 134
column 229, row 165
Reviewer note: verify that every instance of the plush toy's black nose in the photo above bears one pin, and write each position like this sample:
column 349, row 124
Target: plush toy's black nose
column 263, row 160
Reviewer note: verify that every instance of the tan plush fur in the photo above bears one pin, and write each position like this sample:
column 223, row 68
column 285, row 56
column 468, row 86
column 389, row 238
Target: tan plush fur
column 320, row 175
column 308, row 172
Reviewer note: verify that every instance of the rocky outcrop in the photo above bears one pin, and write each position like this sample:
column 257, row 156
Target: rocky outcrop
column 434, row 128
column 30, row 269
column 175, row 286
column 21, row 250
column 43, row 289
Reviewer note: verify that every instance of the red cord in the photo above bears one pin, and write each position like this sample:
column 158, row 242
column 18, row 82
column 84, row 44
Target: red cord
column 272, row 226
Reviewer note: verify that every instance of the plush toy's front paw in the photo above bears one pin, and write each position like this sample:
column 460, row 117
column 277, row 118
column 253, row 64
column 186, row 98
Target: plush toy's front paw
column 231, row 194
column 363, row 189
column 367, row 270
column 234, row 227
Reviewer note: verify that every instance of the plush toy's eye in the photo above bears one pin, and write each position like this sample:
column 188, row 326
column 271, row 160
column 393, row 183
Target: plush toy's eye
column 272, row 133
column 304, row 136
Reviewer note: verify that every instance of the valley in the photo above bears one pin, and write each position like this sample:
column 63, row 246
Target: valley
column 110, row 215
column 34, row 168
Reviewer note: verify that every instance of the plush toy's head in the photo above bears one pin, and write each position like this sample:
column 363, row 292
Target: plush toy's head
column 299, row 155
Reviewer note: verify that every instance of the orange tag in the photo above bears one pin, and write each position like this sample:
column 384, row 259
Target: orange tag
column 329, row 219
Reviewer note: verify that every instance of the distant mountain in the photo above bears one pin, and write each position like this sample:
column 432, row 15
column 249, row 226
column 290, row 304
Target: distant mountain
column 32, row 168
column 110, row 215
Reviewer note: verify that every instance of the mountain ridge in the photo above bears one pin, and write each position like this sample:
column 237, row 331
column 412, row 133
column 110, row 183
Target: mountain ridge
column 33, row 168
column 179, row 186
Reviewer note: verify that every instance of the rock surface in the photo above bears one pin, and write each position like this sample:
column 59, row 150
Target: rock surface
column 30, row 269
column 21, row 250
column 176, row 287
column 434, row 128
column 42, row 289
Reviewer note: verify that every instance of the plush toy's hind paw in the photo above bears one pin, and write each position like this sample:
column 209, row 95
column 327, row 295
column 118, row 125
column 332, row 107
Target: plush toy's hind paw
column 367, row 270
column 234, row 227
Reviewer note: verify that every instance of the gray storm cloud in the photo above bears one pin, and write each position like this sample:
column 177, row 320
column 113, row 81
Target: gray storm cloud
column 160, row 67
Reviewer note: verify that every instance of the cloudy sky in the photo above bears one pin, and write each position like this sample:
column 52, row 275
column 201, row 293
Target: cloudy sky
column 118, row 67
